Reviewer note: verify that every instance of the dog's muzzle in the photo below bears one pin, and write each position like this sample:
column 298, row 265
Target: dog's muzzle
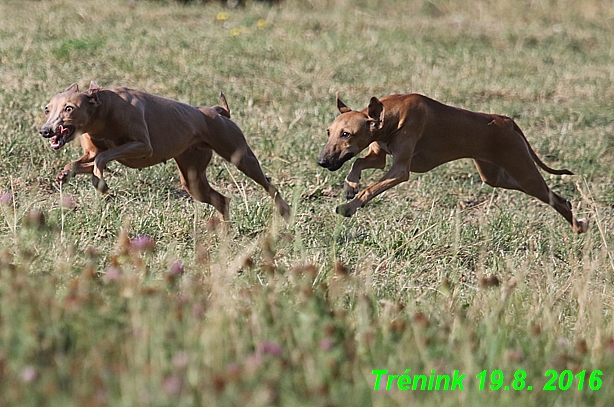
column 59, row 137
column 334, row 165
column 322, row 162
column 46, row 131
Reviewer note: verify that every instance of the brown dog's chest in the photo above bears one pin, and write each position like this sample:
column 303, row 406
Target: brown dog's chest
column 105, row 144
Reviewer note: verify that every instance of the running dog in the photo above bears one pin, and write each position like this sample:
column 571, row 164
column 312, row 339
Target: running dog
column 139, row 130
column 421, row 134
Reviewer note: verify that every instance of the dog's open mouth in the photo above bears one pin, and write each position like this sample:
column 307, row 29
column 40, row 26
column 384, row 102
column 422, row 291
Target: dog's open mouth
column 61, row 137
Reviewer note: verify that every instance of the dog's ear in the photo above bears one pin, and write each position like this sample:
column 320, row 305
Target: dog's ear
column 72, row 88
column 224, row 103
column 340, row 105
column 376, row 113
column 92, row 93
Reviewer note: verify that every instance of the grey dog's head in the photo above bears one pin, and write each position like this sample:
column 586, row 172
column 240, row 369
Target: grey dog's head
column 68, row 114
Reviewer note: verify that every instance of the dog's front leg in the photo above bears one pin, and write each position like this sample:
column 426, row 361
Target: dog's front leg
column 84, row 165
column 398, row 173
column 375, row 158
column 133, row 149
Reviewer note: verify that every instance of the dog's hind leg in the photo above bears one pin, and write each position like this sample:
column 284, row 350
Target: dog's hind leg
column 192, row 168
column 248, row 164
column 526, row 177
column 496, row 176
column 227, row 139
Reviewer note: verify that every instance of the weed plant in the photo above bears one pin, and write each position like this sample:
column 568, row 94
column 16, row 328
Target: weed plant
column 141, row 298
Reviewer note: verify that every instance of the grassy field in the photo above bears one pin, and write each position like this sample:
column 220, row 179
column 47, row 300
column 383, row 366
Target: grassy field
column 137, row 299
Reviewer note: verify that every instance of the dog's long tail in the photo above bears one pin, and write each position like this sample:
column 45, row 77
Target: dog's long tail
column 539, row 162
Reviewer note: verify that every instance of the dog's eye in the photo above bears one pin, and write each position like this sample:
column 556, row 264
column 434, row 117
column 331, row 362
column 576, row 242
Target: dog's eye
column 345, row 134
column 69, row 109
column 46, row 110
column 327, row 133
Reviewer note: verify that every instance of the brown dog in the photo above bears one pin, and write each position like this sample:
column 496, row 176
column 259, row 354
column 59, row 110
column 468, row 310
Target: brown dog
column 420, row 134
column 140, row 130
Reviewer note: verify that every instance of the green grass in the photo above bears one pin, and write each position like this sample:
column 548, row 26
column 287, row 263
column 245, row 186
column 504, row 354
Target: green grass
column 443, row 272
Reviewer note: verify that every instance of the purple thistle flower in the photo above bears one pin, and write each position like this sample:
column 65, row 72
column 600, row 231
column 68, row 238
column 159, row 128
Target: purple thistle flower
column 172, row 385
column 112, row 273
column 326, row 344
column 271, row 348
column 29, row 374
column 142, row 243
column 68, row 202
column 6, row 199
column 177, row 269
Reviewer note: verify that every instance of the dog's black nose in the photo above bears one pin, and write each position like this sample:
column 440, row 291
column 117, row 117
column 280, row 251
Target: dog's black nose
column 45, row 132
column 322, row 162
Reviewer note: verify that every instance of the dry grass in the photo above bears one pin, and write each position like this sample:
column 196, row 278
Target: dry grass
column 440, row 273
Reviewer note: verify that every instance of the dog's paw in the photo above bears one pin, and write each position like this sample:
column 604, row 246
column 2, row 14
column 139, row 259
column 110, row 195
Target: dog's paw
column 581, row 225
column 102, row 187
column 345, row 210
column 100, row 184
column 284, row 210
column 351, row 189
column 63, row 177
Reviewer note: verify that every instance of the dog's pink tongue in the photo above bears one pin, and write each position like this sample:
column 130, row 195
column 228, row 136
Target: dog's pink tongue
column 55, row 144
column 63, row 130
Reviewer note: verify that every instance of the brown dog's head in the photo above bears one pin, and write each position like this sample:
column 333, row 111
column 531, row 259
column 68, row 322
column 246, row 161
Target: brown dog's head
column 68, row 114
column 350, row 133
